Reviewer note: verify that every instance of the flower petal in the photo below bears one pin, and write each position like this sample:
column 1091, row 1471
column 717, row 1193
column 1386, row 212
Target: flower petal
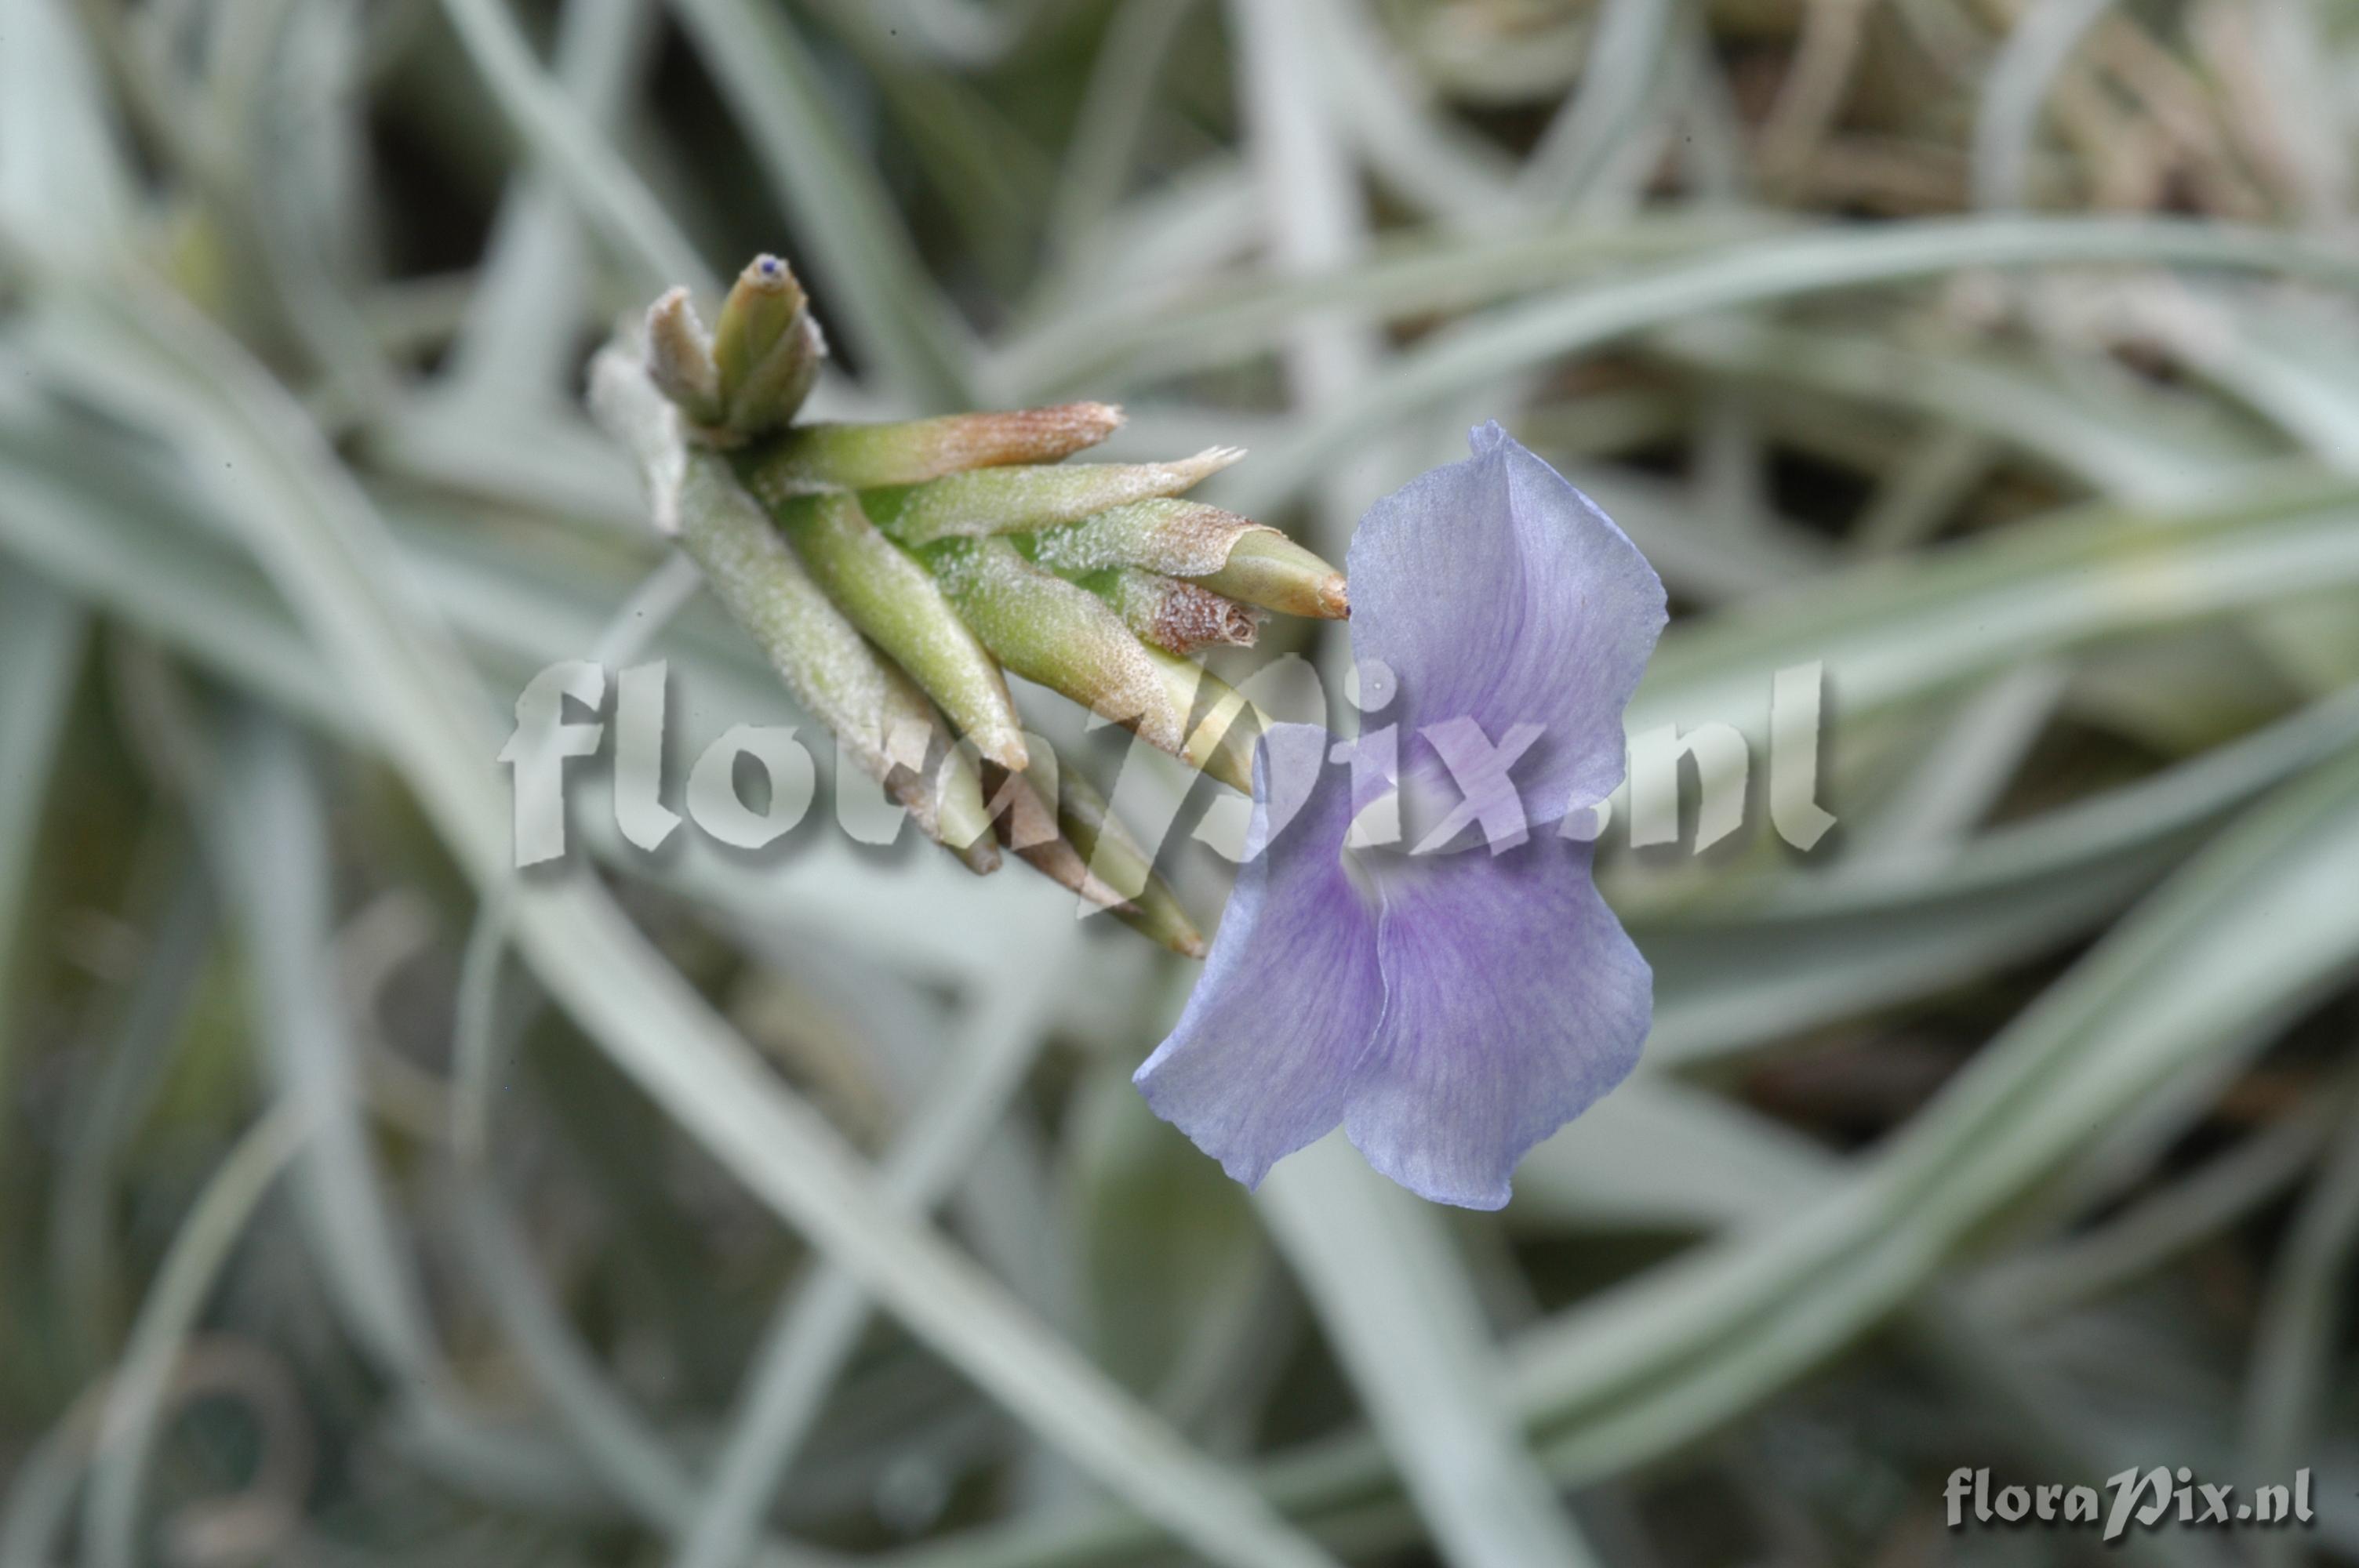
column 1270, row 1047
column 1514, row 1001
column 1494, row 590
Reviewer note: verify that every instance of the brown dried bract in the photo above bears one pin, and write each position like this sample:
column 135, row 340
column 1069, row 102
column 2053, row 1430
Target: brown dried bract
column 1190, row 618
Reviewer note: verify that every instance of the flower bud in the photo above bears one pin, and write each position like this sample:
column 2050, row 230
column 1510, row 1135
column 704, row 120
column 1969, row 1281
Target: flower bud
column 1267, row 568
column 1176, row 616
column 1061, row 635
column 766, row 349
column 680, row 358
column 1022, row 499
column 902, row 609
column 1180, row 539
column 762, row 306
column 1227, row 554
column 810, row 457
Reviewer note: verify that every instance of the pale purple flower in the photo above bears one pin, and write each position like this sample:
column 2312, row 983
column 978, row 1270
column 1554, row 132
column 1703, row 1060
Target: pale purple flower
column 1448, row 1008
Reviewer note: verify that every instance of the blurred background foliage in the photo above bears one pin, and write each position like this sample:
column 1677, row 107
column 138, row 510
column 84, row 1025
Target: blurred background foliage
column 359, row 1204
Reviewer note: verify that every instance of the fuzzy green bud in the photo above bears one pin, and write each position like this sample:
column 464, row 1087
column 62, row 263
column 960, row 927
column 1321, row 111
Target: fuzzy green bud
column 680, row 358
column 766, row 349
column 1179, row 538
column 1267, row 568
column 1229, row 555
column 1050, row 631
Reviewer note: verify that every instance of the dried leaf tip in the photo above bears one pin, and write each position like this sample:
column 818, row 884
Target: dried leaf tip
column 1210, row 461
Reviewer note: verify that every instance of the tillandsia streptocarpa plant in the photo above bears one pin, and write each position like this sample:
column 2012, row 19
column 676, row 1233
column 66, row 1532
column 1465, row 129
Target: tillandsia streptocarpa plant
column 1448, row 999
column 891, row 572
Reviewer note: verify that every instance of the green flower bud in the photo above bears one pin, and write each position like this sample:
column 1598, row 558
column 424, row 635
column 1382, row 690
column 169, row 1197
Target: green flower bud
column 900, row 607
column 680, row 358
column 1052, row 632
column 811, row 457
column 1227, row 554
column 1071, row 641
column 1022, row 499
column 1180, row 539
column 1267, row 568
column 762, row 306
column 1176, row 616
column 766, row 349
